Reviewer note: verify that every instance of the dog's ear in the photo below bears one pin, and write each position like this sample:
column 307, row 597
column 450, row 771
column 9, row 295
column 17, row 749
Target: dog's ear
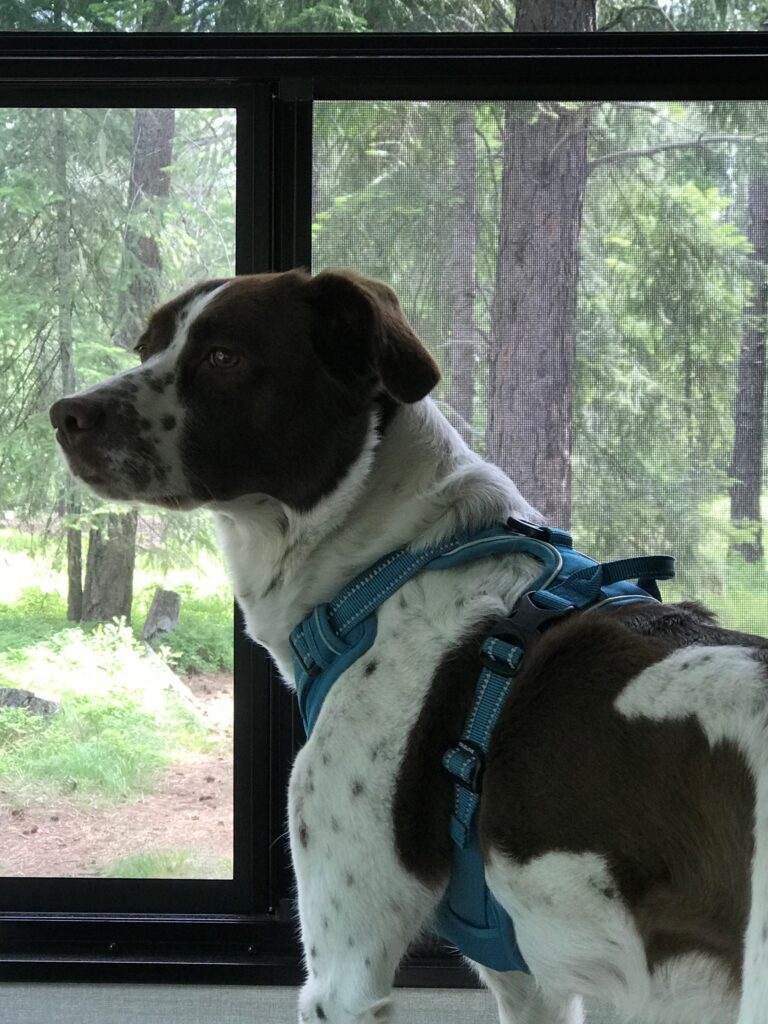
column 361, row 329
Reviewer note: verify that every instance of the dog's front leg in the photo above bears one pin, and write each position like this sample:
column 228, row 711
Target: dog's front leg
column 521, row 1001
column 359, row 909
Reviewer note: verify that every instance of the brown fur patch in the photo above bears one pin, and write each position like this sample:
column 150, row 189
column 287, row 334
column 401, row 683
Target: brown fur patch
column 565, row 771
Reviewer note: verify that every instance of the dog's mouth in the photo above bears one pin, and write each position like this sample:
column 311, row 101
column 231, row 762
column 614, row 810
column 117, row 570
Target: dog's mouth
column 92, row 472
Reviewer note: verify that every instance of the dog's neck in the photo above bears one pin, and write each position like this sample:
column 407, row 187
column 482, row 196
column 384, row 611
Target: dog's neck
column 415, row 484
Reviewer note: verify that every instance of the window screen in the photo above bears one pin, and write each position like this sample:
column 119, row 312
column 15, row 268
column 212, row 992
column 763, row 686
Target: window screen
column 115, row 624
column 592, row 279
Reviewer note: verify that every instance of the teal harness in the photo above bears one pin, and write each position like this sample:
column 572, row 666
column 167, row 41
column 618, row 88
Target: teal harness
column 336, row 634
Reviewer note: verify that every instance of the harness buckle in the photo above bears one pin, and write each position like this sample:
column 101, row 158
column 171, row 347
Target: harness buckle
column 477, row 754
column 524, row 623
column 528, row 529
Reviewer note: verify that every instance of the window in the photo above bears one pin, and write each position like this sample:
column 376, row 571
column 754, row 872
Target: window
column 118, row 764
column 409, row 158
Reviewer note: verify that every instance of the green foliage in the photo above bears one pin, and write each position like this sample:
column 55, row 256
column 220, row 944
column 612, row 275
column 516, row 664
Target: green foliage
column 202, row 642
column 106, row 748
column 253, row 16
column 116, row 726
column 169, row 864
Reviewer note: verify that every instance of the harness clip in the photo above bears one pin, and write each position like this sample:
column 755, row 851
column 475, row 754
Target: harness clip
column 528, row 529
column 524, row 624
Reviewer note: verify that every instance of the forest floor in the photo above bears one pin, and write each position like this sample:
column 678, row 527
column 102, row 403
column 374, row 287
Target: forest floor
column 183, row 827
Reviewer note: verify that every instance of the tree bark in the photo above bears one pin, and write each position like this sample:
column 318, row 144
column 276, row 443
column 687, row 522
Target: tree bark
column 153, row 133
column 65, row 292
column 532, row 339
column 109, row 573
column 749, row 407
column 462, row 341
column 111, row 557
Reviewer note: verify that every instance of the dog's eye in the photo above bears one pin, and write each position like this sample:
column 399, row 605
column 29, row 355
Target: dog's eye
column 222, row 358
column 141, row 352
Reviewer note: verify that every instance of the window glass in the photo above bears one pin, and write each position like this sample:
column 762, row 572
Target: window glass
column 380, row 16
column 115, row 723
column 591, row 278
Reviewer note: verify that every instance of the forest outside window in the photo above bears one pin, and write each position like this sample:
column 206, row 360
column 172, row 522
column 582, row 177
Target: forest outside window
column 115, row 623
column 355, row 16
column 594, row 289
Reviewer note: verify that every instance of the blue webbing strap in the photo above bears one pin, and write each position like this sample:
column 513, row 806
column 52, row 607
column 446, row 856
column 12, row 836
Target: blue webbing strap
column 334, row 635
column 469, row 919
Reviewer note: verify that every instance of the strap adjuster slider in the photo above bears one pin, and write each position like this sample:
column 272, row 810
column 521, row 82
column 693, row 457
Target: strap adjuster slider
column 477, row 756
column 311, row 667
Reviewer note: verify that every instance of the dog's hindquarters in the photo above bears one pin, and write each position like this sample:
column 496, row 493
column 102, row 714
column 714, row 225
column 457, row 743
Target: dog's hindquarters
column 754, row 1000
column 726, row 690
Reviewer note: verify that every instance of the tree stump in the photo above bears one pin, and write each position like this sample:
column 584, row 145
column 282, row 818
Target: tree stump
column 163, row 615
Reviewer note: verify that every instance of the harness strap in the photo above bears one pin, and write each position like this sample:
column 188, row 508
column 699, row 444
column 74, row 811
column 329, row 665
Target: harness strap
column 336, row 634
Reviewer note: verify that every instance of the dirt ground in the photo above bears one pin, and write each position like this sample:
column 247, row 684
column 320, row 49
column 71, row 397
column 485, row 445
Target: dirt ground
column 190, row 810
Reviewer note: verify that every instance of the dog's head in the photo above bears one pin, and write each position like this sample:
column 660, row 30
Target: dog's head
column 262, row 384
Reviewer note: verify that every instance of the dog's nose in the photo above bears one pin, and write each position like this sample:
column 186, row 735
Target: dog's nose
column 72, row 417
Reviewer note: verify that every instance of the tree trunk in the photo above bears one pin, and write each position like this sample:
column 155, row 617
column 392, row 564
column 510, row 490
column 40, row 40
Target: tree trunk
column 462, row 340
column 109, row 572
column 111, row 558
column 532, row 341
column 747, row 462
column 65, row 293
column 153, row 133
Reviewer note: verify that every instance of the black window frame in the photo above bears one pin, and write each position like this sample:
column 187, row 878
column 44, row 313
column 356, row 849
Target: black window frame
column 243, row 931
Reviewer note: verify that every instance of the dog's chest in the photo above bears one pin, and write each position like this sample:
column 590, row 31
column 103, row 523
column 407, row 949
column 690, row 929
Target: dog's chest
column 363, row 729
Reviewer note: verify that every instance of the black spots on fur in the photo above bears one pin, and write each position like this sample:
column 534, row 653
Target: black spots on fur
column 461, row 601
column 144, row 423
column 403, row 602
column 326, row 759
column 335, row 827
column 310, row 788
column 599, row 886
column 371, row 667
column 155, row 384
column 313, row 953
column 685, row 666
column 349, row 878
column 357, row 787
column 168, row 422
column 350, row 942
column 367, row 961
column 304, row 834
column 326, row 923
column 335, row 905
column 320, row 1012
column 168, row 378
column 376, row 749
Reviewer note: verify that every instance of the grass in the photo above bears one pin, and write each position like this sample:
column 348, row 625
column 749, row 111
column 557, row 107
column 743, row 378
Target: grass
column 169, row 864
column 31, row 588
column 118, row 724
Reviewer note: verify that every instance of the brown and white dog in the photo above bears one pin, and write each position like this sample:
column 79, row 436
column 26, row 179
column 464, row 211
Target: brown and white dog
column 624, row 814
